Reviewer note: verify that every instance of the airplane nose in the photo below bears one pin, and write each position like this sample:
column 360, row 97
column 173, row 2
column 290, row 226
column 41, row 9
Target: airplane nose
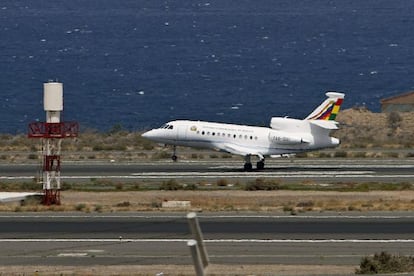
column 147, row 134
column 155, row 135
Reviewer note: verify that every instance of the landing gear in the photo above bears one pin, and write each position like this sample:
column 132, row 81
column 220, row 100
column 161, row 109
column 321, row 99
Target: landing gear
column 247, row 163
column 174, row 155
column 248, row 166
column 260, row 165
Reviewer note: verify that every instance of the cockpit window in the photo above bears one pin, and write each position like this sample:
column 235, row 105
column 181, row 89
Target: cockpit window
column 167, row 126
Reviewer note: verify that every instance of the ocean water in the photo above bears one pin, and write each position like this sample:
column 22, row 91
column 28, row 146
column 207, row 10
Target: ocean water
column 142, row 63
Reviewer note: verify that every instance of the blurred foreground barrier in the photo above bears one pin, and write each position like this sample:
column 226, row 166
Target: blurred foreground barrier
column 197, row 248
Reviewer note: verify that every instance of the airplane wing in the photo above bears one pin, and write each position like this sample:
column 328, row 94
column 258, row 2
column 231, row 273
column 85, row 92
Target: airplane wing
column 15, row 196
column 238, row 150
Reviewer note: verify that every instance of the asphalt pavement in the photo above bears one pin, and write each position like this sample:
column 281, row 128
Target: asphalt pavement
column 142, row 238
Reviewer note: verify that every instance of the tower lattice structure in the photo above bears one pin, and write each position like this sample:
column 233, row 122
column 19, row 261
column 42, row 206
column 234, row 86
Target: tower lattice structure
column 51, row 134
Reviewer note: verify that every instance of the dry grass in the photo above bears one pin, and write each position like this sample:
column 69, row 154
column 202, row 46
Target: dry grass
column 259, row 201
column 180, row 270
column 256, row 201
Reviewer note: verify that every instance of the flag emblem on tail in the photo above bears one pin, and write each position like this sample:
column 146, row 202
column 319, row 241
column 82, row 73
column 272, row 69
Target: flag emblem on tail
column 329, row 108
column 329, row 112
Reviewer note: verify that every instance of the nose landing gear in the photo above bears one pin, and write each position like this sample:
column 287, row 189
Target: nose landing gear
column 174, row 155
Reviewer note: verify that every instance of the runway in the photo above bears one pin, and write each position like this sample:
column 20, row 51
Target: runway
column 73, row 239
column 332, row 169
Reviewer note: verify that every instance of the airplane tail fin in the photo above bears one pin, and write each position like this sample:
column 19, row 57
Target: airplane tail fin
column 329, row 108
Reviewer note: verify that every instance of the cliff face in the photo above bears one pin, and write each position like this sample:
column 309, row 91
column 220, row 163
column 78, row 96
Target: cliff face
column 363, row 128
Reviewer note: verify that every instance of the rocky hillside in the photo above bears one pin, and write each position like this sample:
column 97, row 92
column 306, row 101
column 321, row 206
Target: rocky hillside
column 363, row 128
column 360, row 128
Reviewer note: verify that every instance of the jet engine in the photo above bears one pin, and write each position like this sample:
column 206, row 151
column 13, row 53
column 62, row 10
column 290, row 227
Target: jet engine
column 283, row 138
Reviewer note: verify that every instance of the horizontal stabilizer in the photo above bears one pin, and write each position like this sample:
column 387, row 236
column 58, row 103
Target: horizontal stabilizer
column 331, row 125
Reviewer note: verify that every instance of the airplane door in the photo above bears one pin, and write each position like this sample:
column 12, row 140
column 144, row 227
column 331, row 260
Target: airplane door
column 181, row 133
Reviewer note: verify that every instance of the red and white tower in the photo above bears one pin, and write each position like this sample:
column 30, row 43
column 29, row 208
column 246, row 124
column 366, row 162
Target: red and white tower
column 52, row 132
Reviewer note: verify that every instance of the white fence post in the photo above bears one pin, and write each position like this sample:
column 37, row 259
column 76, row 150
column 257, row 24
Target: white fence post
column 198, row 265
column 198, row 236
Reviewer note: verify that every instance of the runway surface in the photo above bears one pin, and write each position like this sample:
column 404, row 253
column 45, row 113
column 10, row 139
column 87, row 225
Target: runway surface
column 76, row 239
column 332, row 169
column 50, row 239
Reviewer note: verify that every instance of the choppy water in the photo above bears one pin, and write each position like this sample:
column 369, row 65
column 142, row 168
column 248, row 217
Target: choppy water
column 141, row 63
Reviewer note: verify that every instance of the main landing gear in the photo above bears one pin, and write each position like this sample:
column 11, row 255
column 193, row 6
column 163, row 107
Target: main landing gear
column 248, row 164
column 260, row 165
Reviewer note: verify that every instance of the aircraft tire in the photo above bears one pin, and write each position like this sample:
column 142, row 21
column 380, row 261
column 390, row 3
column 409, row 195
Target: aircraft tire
column 248, row 166
column 260, row 165
column 174, row 158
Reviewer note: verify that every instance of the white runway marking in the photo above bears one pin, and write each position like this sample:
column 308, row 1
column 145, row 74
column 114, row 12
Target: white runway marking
column 330, row 174
column 322, row 166
column 240, row 175
column 15, row 177
column 215, row 240
column 72, row 255
column 244, row 174
column 308, row 169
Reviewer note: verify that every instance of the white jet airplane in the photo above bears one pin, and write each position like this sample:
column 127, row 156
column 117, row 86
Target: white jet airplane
column 285, row 135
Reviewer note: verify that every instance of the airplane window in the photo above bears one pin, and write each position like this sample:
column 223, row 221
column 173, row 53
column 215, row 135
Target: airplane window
column 202, row 133
column 213, row 133
column 255, row 137
column 171, row 127
column 240, row 136
column 229, row 135
column 208, row 132
column 234, row 136
column 245, row 136
column 163, row 126
column 198, row 132
column 251, row 137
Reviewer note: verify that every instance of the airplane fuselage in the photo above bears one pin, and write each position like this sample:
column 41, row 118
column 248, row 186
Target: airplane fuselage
column 285, row 135
column 238, row 139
